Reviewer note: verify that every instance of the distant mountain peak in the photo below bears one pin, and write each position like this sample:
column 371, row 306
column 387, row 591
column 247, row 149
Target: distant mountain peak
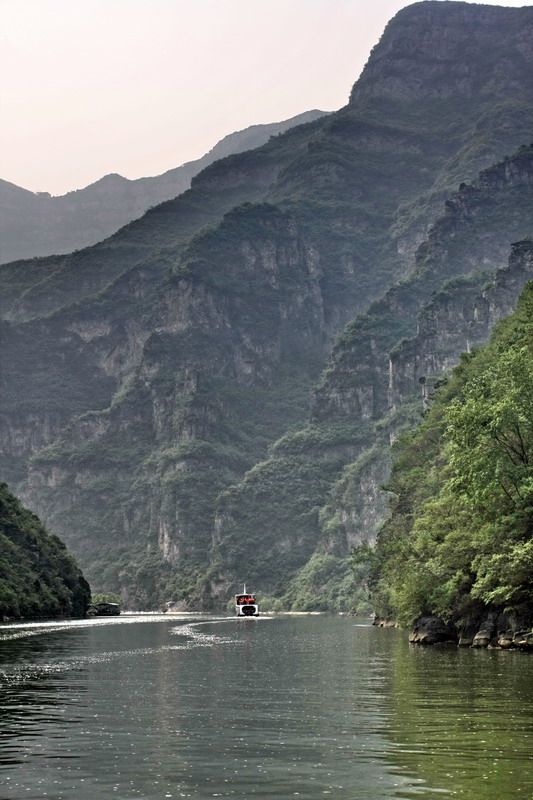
column 439, row 50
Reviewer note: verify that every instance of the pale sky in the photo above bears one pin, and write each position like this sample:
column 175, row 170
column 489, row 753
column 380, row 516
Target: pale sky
column 138, row 87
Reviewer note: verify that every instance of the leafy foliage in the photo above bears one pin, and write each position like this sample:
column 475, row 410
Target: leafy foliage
column 460, row 534
column 158, row 367
column 38, row 578
column 325, row 583
column 105, row 597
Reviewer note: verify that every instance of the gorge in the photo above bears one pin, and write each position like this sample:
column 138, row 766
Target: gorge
column 155, row 386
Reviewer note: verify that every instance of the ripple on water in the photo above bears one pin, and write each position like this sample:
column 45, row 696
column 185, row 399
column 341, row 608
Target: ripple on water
column 209, row 707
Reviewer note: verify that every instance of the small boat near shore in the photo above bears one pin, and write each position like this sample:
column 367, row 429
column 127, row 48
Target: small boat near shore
column 246, row 604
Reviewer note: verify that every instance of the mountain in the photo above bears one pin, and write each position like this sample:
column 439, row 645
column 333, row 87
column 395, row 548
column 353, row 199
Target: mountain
column 156, row 385
column 379, row 376
column 38, row 224
column 38, row 577
column 457, row 544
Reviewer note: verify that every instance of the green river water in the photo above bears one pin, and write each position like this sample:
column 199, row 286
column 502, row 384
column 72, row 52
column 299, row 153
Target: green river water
column 307, row 707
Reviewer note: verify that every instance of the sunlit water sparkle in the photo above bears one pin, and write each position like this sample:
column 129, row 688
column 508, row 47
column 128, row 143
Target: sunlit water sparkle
column 157, row 706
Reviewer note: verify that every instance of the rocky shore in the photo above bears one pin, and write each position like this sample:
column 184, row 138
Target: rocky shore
column 493, row 629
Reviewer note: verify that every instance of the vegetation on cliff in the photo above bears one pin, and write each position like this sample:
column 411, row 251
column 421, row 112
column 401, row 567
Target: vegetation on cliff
column 38, row 577
column 156, row 385
column 460, row 534
column 37, row 224
column 370, row 390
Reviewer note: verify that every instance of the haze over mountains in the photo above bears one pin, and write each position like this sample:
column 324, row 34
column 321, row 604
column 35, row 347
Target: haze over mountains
column 156, row 385
column 37, row 224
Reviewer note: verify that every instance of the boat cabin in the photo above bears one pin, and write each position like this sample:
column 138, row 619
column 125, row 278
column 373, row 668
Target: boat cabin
column 245, row 605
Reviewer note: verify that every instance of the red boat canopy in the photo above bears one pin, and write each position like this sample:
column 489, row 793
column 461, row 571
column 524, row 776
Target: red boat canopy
column 242, row 599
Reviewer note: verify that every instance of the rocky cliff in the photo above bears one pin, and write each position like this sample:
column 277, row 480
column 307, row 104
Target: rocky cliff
column 457, row 543
column 379, row 379
column 456, row 53
column 156, row 386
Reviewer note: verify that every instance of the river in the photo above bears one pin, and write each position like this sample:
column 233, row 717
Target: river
column 160, row 707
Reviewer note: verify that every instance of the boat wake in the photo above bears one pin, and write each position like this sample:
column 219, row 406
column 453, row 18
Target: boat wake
column 191, row 632
column 201, row 639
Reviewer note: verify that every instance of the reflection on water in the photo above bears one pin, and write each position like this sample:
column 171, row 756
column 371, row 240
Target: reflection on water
column 166, row 707
column 463, row 719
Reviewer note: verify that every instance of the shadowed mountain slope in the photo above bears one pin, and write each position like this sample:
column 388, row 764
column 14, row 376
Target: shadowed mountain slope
column 145, row 378
column 37, row 224
column 327, row 477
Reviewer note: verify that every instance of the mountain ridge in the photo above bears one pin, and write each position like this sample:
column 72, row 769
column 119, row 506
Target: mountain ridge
column 38, row 224
column 371, row 387
column 136, row 405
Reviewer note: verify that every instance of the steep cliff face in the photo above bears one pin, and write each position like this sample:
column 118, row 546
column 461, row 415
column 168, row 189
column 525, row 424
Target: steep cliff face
column 458, row 317
column 474, row 234
column 213, row 370
column 123, row 268
column 75, row 326
column 378, row 381
column 386, row 363
column 457, row 542
column 440, row 58
column 175, row 353
column 41, row 225
column 459, row 54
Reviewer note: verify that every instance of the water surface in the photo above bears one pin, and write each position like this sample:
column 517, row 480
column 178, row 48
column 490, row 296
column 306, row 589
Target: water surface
column 166, row 707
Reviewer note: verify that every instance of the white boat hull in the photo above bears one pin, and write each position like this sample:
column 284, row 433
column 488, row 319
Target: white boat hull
column 248, row 610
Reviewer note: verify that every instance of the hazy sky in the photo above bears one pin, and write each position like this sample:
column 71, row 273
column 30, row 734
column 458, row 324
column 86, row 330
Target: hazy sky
column 140, row 86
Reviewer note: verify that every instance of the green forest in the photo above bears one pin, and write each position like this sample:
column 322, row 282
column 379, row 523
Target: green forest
column 38, row 577
column 459, row 536
column 209, row 395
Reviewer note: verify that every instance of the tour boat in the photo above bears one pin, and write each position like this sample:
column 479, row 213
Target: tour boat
column 245, row 604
